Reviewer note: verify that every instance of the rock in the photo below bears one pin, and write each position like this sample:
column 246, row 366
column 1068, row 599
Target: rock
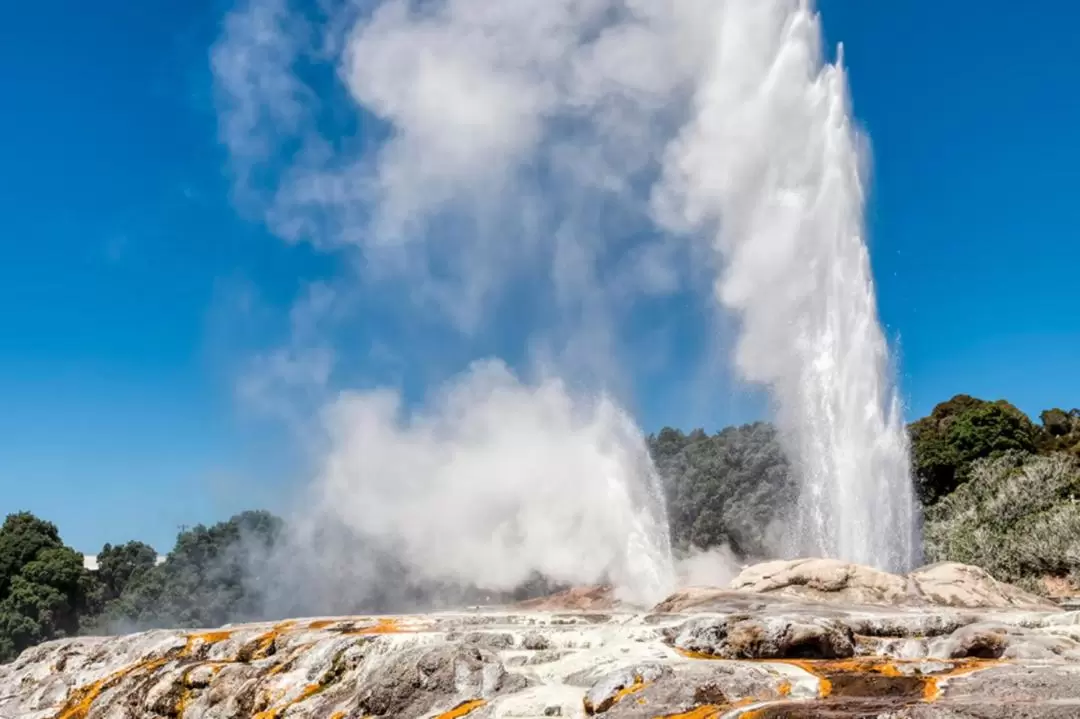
column 534, row 641
column 909, row 624
column 962, row 585
column 495, row 641
column 741, row 637
column 609, row 689
column 833, row 581
column 600, row 597
column 823, row 580
column 814, row 639
column 976, row 641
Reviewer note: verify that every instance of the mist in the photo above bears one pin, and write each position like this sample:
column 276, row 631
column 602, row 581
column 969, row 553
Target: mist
column 497, row 480
column 555, row 171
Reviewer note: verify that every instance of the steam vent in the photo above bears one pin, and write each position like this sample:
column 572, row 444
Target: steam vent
column 805, row 638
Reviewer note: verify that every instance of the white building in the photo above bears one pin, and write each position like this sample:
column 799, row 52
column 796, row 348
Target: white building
column 90, row 561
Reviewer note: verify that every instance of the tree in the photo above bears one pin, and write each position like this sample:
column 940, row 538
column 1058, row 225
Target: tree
column 1060, row 431
column 120, row 565
column 206, row 580
column 959, row 432
column 728, row 488
column 1017, row 517
column 44, row 588
column 22, row 537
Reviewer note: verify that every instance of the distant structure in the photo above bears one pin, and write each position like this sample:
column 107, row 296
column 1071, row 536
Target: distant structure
column 90, row 561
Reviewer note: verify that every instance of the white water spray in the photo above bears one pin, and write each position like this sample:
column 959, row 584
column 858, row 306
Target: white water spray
column 524, row 140
column 771, row 164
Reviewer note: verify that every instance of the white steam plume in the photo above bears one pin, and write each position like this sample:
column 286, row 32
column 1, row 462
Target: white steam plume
column 497, row 480
column 586, row 158
column 769, row 167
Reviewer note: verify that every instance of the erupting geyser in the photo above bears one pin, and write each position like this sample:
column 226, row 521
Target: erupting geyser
column 574, row 160
column 770, row 169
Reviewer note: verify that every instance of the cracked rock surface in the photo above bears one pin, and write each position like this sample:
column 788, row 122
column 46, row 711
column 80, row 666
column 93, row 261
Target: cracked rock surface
column 824, row 640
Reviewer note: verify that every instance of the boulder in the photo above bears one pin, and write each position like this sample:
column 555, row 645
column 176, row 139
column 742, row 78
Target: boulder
column 827, row 580
column 832, row 581
column 962, row 585
column 746, row 637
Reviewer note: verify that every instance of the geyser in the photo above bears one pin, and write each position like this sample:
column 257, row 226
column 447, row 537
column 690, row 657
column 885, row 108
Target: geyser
column 769, row 171
column 581, row 157
column 498, row 479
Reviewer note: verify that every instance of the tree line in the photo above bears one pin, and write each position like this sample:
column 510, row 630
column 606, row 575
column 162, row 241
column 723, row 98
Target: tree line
column 998, row 490
column 46, row 592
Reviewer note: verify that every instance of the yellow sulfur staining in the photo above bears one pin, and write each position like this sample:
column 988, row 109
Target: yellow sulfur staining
column 634, row 688
column 309, row 691
column 203, row 638
column 78, row 705
column 185, row 692
column 611, row 700
column 386, row 625
column 82, row 699
column 264, row 644
column 708, row 711
column 274, row 712
column 753, row 714
column 463, row 709
column 931, row 691
column 931, row 687
column 322, row 624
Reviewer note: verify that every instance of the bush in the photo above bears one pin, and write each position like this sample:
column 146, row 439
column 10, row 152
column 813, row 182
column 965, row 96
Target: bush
column 959, row 432
column 1017, row 517
column 204, row 581
column 43, row 586
column 724, row 489
column 1060, row 431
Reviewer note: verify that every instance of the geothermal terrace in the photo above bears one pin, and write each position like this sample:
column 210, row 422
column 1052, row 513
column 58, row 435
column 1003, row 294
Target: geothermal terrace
column 805, row 638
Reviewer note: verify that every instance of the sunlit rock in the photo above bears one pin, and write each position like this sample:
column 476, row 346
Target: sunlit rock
column 944, row 642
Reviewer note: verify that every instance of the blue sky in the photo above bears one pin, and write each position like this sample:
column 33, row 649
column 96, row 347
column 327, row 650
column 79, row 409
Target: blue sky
column 125, row 262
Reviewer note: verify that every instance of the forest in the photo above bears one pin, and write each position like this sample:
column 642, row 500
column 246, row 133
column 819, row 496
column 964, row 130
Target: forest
column 997, row 489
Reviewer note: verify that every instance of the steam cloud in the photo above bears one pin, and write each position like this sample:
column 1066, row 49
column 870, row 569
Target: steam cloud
column 498, row 480
column 585, row 160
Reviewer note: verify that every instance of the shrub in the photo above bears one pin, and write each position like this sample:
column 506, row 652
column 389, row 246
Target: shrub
column 959, row 432
column 1018, row 517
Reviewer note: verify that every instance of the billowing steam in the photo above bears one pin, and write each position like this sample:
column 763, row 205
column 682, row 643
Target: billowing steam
column 548, row 170
column 498, row 480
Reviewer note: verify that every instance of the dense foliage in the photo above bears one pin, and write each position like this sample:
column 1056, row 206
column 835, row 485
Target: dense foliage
column 959, row 432
column 723, row 489
column 43, row 586
column 999, row 491
column 119, row 566
column 1061, row 431
column 204, row 581
column 1017, row 516
column 46, row 593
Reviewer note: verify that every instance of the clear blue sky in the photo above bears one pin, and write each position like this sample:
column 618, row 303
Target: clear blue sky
column 122, row 251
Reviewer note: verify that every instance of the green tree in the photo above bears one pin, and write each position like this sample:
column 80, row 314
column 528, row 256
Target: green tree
column 120, row 565
column 729, row 488
column 44, row 589
column 959, row 432
column 1060, row 431
column 206, row 580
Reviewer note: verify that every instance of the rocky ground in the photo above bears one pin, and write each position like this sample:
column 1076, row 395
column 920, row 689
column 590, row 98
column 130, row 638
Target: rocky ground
column 810, row 638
